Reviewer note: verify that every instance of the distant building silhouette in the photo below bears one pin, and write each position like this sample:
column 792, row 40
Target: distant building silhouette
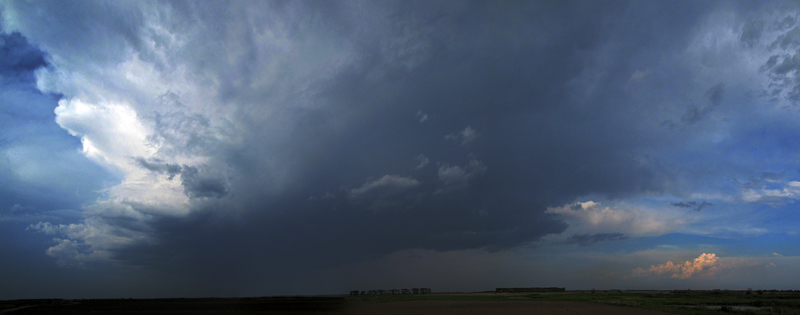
column 392, row 291
column 536, row 289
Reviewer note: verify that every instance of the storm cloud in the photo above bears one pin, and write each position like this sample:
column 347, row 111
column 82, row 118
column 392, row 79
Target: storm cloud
column 18, row 57
column 252, row 147
column 692, row 204
column 587, row 240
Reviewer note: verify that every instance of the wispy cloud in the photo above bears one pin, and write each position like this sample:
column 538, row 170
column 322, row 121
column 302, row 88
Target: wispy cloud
column 455, row 177
column 387, row 191
column 773, row 191
column 422, row 116
column 466, row 135
column 422, row 160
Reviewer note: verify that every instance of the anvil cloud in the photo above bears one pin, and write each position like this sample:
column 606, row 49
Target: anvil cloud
column 235, row 148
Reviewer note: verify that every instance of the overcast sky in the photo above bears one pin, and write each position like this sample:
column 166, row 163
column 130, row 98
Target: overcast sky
column 210, row 148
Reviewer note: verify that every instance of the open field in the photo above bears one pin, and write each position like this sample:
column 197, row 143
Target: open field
column 600, row 302
column 672, row 301
column 692, row 302
column 431, row 307
column 277, row 305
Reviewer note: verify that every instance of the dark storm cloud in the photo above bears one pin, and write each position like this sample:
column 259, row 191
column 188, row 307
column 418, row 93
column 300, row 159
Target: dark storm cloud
column 197, row 182
column 702, row 205
column 751, row 32
column 158, row 166
column 202, row 185
column 17, row 57
column 508, row 138
column 464, row 136
column 783, row 63
column 588, row 240
column 697, row 113
column 527, row 111
column 191, row 133
column 692, row 204
column 684, row 204
column 790, row 39
column 715, row 94
column 522, row 167
column 389, row 191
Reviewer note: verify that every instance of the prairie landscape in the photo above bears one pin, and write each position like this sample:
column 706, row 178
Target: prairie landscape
column 571, row 302
column 272, row 156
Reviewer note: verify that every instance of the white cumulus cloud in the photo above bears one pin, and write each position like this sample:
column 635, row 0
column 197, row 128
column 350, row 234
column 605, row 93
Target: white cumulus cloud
column 110, row 133
column 591, row 218
column 98, row 236
column 706, row 265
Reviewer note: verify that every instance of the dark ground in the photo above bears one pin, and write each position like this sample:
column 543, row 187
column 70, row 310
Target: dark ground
column 312, row 305
column 316, row 305
column 289, row 305
column 576, row 303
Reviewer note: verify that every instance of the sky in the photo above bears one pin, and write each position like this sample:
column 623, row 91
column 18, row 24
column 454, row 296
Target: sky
column 237, row 148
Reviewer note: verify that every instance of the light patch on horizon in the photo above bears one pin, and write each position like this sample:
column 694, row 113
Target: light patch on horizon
column 590, row 218
column 705, row 265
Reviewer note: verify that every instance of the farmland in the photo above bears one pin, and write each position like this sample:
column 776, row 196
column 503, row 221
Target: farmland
column 570, row 302
column 672, row 301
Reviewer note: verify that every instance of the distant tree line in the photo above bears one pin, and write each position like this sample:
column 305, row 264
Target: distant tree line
column 515, row 290
column 392, row 291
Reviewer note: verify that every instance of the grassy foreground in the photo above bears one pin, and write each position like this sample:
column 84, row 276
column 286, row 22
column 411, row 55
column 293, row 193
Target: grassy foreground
column 769, row 302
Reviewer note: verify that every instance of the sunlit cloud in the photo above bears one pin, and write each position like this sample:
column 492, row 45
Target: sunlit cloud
column 705, row 265
column 591, row 217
